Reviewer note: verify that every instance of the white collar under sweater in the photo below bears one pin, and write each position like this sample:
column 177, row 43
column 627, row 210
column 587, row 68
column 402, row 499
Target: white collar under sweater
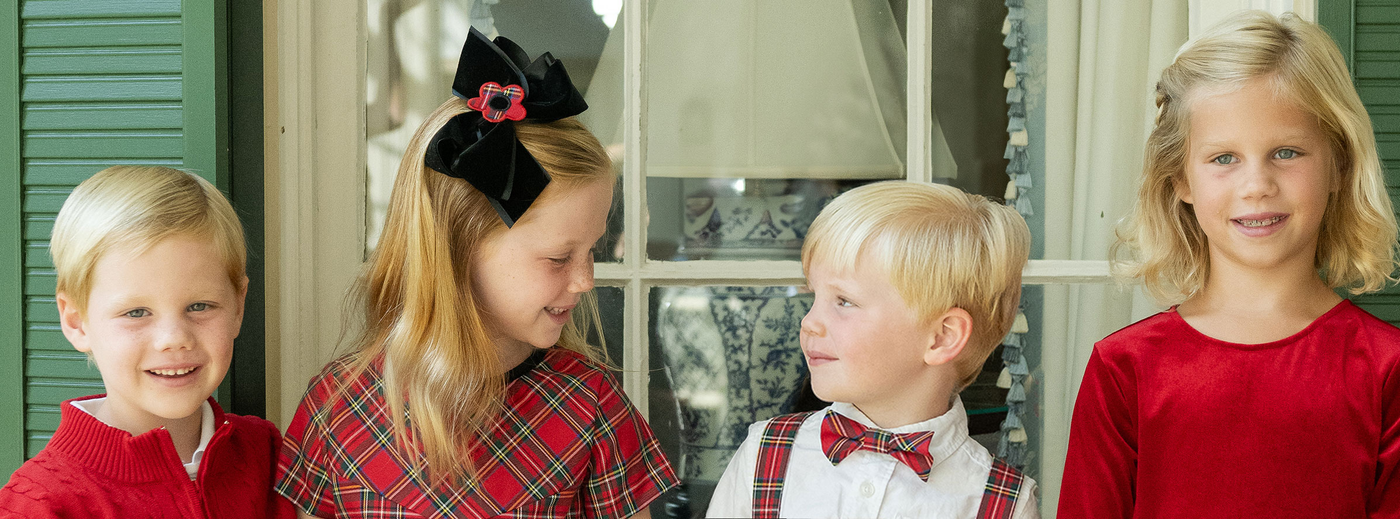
column 206, row 429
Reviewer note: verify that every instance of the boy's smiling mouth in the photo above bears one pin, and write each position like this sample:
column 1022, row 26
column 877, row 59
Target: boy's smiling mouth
column 173, row 372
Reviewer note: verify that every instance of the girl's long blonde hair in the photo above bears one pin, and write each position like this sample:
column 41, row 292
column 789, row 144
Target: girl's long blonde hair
column 1357, row 241
column 441, row 373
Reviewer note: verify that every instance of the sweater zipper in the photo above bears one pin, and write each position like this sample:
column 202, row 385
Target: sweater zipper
column 196, row 487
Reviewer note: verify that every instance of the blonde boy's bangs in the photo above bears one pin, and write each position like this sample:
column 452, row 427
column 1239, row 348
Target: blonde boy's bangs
column 136, row 207
column 838, row 242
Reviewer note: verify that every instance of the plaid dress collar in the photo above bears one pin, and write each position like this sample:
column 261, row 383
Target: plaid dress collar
column 950, row 428
column 525, row 366
column 539, row 449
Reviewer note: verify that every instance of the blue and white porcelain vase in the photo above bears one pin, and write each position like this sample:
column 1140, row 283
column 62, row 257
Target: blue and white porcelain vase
column 733, row 357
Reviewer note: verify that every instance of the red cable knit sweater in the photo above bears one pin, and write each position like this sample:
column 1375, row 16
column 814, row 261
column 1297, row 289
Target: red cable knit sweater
column 90, row 469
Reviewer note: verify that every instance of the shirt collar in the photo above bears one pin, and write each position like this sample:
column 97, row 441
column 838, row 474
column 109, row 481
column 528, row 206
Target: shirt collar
column 950, row 428
column 206, row 431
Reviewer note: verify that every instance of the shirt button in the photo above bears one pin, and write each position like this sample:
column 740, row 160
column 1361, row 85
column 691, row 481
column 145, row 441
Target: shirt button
column 866, row 489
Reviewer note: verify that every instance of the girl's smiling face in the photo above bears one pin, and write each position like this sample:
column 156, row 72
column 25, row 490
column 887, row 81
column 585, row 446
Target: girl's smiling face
column 528, row 279
column 1259, row 173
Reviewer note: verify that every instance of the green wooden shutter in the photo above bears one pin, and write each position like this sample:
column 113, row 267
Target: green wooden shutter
column 87, row 84
column 1368, row 33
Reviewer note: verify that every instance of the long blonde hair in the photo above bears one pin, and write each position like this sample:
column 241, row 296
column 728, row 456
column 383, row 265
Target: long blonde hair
column 441, row 372
column 1357, row 240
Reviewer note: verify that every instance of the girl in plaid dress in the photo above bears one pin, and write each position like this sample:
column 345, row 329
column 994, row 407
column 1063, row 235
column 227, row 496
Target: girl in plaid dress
column 471, row 391
column 1263, row 393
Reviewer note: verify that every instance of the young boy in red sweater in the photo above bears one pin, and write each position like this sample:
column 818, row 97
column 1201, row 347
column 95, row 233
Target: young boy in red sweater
column 151, row 284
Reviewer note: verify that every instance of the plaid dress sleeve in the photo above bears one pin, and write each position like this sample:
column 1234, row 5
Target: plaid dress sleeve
column 627, row 468
column 303, row 468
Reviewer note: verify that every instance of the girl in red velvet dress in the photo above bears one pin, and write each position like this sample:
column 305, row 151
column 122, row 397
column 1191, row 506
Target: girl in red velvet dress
column 1263, row 393
column 470, row 392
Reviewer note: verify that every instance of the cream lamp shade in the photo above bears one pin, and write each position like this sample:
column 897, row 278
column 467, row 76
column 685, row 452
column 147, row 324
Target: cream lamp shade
column 767, row 89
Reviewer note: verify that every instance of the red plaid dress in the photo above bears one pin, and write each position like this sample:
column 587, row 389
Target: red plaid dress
column 569, row 444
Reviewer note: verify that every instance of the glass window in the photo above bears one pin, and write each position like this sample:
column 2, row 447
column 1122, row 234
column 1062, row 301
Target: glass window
column 412, row 56
column 757, row 117
column 742, row 119
column 723, row 357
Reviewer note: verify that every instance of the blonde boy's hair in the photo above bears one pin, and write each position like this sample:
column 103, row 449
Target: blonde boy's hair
column 941, row 248
column 1356, row 243
column 421, row 315
column 137, row 207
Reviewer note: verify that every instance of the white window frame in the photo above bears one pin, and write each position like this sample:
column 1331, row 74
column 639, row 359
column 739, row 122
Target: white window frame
column 314, row 69
column 637, row 275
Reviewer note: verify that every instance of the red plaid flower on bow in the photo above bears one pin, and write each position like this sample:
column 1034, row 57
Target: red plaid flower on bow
column 841, row 436
column 498, row 103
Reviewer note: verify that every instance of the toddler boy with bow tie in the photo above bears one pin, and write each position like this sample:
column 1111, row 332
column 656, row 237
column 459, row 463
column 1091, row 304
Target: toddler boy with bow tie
column 915, row 285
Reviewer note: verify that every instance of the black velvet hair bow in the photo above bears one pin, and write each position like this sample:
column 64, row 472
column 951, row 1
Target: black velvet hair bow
column 501, row 85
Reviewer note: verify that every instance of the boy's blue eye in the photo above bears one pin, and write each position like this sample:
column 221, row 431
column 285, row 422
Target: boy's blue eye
column 137, row 313
column 199, row 307
column 1286, row 154
column 1224, row 160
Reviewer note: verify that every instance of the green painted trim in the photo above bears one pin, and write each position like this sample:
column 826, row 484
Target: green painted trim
column 1338, row 17
column 245, row 73
column 12, row 443
column 205, row 89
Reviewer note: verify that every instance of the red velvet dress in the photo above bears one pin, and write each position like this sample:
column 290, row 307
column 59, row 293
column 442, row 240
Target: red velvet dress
column 1172, row 423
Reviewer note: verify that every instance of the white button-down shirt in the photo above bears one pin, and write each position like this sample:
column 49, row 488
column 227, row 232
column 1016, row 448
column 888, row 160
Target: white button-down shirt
column 868, row 484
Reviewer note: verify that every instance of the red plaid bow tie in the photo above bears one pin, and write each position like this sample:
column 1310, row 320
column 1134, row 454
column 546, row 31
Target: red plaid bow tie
column 841, row 436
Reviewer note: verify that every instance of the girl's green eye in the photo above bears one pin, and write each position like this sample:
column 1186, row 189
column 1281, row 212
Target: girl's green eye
column 1224, row 160
column 137, row 313
column 1286, row 154
column 199, row 307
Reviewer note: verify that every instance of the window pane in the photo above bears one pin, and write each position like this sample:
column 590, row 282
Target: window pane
column 713, row 218
column 969, row 64
column 609, row 301
column 412, row 52
column 746, row 107
column 723, row 358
